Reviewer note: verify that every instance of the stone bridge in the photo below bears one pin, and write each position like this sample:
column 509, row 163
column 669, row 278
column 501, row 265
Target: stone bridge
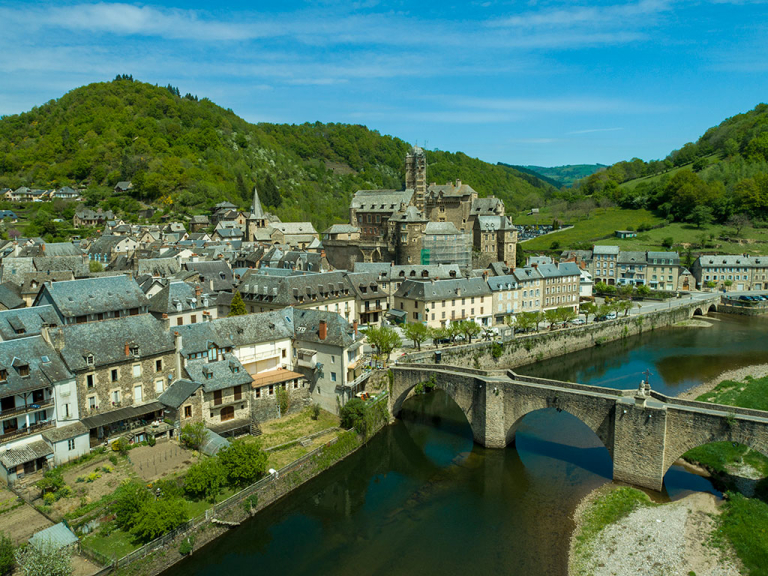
column 644, row 433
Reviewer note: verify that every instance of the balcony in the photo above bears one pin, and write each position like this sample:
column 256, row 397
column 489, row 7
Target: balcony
column 33, row 407
column 32, row 429
column 307, row 358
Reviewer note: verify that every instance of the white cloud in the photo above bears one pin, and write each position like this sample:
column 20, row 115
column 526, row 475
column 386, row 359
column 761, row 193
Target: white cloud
column 584, row 15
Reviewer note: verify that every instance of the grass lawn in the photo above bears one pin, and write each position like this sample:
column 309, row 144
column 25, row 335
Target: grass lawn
column 602, row 223
column 197, row 507
column 116, row 545
column 744, row 522
column 682, row 233
column 752, row 394
column 712, row 158
column 295, row 426
column 284, row 456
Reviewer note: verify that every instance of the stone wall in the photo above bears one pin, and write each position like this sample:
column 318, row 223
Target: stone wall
column 266, row 408
column 524, row 350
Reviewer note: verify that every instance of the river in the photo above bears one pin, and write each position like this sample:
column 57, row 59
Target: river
column 421, row 498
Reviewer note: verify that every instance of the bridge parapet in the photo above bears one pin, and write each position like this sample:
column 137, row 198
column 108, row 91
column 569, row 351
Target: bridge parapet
column 644, row 433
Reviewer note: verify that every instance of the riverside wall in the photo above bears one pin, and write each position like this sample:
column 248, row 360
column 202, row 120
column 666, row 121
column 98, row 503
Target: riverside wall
column 527, row 349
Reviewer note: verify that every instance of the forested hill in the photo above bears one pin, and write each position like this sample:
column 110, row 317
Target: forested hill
column 562, row 175
column 721, row 175
column 187, row 154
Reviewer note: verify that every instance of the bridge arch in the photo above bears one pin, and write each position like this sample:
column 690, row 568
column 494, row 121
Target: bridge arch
column 467, row 391
column 703, row 309
column 600, row 420
column 737, row 433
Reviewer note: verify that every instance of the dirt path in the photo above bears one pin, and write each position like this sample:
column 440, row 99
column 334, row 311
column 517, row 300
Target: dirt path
column 738, row 375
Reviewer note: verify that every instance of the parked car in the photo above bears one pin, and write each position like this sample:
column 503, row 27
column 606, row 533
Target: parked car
column 577, row 321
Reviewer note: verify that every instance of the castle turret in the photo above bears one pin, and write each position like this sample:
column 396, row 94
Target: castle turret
column 416, row 174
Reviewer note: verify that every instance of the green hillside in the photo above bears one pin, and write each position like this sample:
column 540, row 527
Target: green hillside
column 722, row 175
column 563, row 175
column 186, row 154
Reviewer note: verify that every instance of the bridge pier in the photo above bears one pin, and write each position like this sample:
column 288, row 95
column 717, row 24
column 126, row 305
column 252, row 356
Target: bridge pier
column 645, row 433
column 639, row 439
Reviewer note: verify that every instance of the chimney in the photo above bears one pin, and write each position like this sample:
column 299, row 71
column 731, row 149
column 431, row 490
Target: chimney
column 322, row 331
column 534, row 266
column 458, row 183
column 177, row 344
column 354, row 326
column 198, row 291
column 45, row 333
column 127, row 349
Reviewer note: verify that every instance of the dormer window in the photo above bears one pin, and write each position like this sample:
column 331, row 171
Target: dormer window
column 134, row 350
column 23, row 370
column 89, row 360
column 3, row 375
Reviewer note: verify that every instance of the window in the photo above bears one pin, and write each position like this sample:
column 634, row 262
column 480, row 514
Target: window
column 134, row 350
column 89, row 381
column 284, row 352
column 89, row 360
column 217, row 397
column 257, row 393
column 193, row 319
column 136, row 370
column 116, row 397
column 227, row 413
column 158, row 365
column 271, row 389
column 179, row 321
column 137, row 393
column 333, row 376
column 238, row 392
column 66, row 411
column 187, row 411
column 113, row 375
column 158, row 386
column 3, row 375
column 71, row 444
column 92, row 402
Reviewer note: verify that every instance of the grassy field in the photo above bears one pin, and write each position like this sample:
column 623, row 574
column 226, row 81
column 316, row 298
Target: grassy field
column 116, row 545
column 744, row 523
column 295, row 426
column 752, row 394
column 601, row 225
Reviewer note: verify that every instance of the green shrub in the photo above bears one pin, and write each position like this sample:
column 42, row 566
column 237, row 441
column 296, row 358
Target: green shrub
column 186, row 545
column 49, row 498
column 151, row 441
column 113, row 459
column 315, row 411
column 108, row 469
column 95, row 475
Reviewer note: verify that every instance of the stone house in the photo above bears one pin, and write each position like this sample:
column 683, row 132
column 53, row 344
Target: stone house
column 93, row 299
column 437, row 303
column 121, row 367
column 180, row 303
column 87, row 218
column 505, row 297
column 561, row 285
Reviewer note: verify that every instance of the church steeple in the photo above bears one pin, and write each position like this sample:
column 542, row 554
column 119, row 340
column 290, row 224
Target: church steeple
column 256, row 212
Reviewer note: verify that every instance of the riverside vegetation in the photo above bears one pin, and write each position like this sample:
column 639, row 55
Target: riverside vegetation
column 742, row 522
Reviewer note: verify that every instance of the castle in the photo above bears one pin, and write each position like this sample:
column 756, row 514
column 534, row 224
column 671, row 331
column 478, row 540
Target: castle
column 423, row 224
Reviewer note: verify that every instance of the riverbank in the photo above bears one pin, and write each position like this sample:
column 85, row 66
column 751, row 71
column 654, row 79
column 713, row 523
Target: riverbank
column 620, row 532
column 738, row 375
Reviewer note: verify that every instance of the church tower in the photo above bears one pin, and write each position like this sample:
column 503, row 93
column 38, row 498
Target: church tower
column 416, row 175
column 256, row 219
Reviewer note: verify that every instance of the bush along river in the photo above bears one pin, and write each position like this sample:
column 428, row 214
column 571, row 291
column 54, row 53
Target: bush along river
column 422, row 498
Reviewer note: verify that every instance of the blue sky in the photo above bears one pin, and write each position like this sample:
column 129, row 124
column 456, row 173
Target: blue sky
column 523, row 82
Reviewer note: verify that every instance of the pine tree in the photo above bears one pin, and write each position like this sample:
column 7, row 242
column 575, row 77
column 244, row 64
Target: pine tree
column 237, row 308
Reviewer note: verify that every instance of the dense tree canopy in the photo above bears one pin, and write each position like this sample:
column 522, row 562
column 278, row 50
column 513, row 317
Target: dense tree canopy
column 185, row 153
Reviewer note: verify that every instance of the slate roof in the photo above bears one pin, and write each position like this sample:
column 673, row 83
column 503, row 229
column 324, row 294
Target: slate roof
column 121, row 414
column 94, row 295
column 293, row 228
column 45, row 366
column 123, row 185
column 227, row 233
column 106, row 340
column 450, row 189
column 216, row 270
column 443, row 289
column 67, row 432
column 495, row 223
column 380, row 200
column 9, row 299
column 559, row 270
column 25, row 453
column 499, row 283
column 176, row 293
column 490, row 205
column 338, row 330
column 200, row 219
column 410, row 214
column 295, row 288
column 632, row 257
column 605, row 250
column 159, row 266
column 674, row 256
column 178, row 392
column 526, row 274
column 28, row 320
column 218, row 375
column 76, row 264
column 52, row 249
column 342, row 229
column 390, row 272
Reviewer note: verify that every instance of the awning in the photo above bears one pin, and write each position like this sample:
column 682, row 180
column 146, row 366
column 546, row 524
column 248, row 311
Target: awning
column 398, row 313
column 121, row 414
column 274, row 377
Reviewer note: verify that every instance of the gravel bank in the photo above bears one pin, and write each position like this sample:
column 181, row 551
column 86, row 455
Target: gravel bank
column 669, row 539
column 738, row 375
